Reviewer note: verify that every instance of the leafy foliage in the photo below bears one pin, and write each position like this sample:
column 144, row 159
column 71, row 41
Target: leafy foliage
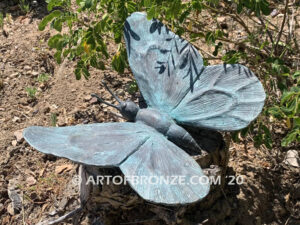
column 288, row 110
column 84, row 32
column 24, row 6
column 133, row 87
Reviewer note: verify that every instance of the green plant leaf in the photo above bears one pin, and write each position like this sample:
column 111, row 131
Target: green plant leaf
column 48, row 19
column 296, row 75
column 276, row 112
column 147, row 3
column 57, row 57
column 86, row 73
column 197, row 4
column 287, row 95
column 267, row 137
column 239, row 8
column 78, row 73
column 53, row 119
column 57, row 25
column 54, row 3
column 151, row 12
column 133, row 87
column 296, row 122
column 290, row 137
column 96, row 63
column 264, row 6
column 118, row 63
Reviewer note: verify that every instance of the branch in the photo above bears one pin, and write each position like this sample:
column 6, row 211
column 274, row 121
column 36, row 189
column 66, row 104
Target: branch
column 282, row 25
column 234, row 16
column 62, row 218
column 268, row 32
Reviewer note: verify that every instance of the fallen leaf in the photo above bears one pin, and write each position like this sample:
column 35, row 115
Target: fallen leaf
column 10, row 209
column 19, row 136
column 63, row 168
column 30, row 181
column 14, row 143
column 41, row 173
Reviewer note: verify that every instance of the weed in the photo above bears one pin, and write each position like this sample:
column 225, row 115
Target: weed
column 31, row 92
column 1, row 20
column 53, row 119
column 42, row 78
column 24, row 6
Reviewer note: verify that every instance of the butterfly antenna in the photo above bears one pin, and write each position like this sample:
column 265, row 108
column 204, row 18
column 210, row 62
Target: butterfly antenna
column 104, row 102
column 107, row 88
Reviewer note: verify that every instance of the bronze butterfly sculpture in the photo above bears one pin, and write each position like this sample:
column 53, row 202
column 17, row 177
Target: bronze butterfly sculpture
column 179, row 90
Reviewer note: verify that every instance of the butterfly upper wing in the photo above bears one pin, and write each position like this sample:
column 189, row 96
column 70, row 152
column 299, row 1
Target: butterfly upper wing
column 172, row 78
column 226, row 97
column 99, row 144
column 160, row 159
column 164, row 65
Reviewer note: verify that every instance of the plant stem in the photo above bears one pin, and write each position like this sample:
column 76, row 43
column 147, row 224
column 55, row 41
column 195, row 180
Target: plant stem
column 268, row 32
column 282, row 25
column 234, row 16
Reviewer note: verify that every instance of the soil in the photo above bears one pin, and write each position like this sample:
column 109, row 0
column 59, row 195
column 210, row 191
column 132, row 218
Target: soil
column 269, row 193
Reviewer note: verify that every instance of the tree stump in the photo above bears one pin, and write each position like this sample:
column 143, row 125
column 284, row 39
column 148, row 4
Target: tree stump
column 111, row 204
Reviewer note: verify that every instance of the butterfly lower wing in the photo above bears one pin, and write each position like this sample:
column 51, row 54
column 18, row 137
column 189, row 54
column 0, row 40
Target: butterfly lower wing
column 159, row 158
column 99, row 144
column 164, row 65
column 226, row 97
column 136, row 148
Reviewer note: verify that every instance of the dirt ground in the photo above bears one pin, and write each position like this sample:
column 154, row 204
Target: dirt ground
column 269, row 194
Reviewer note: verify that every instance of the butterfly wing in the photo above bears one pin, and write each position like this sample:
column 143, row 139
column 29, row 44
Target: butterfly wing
column 226, row 97
column 99, row 144
column 161, row 172
column 171, row 77
column 134, row 147
column 164, row 65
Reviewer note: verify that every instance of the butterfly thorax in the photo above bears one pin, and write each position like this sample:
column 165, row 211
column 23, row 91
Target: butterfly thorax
column 156, row 119
column 164, row 124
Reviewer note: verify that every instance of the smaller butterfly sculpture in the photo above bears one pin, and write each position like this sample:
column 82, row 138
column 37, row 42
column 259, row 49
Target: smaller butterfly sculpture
column 179, row 90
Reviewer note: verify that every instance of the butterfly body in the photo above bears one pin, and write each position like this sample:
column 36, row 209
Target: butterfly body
column 161, row 122
column 165, row 125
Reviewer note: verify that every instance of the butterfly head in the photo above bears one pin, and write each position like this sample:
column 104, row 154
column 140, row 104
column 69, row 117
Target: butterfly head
column 128, row 109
